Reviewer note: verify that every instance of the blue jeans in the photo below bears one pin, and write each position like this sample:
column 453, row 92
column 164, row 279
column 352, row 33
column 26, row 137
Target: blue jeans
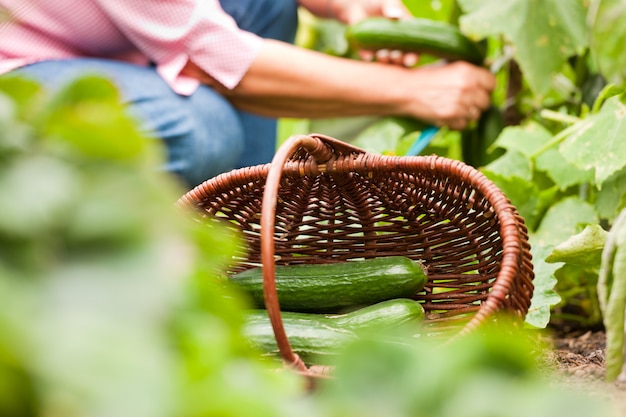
column 204, row 134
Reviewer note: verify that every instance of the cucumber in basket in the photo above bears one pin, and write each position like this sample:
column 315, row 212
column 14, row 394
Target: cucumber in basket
column 309, row 334
column 433, row 37
column 385, row 314
column 333, row 286
column 318, row 334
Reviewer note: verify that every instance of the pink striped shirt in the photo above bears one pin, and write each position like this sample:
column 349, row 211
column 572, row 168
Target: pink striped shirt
column 165, row 32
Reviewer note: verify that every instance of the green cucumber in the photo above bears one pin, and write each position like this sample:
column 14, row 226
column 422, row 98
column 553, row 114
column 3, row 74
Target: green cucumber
column 333, row 286
column 476, row 142
column 385, row 314
column 437, row 38
column 319, row 334
column 309, row 334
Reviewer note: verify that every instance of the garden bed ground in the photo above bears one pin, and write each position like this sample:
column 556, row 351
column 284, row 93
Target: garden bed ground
column 578, row 358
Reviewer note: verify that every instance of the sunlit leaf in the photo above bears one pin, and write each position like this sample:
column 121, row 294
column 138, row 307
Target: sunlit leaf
column 563, row 173
column 26, row 93
column 544, row 32
column 384, row 135
column 89, row 115
column 606, row 93
column 598, row 143
column 37, row 190
column 584, row 248
column 544, row 294
column 432, row 9
column 485, row 373
column 525, row 139
column 564, row 219
column 512, row 164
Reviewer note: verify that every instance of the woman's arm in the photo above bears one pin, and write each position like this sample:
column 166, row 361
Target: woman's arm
column 288, row 81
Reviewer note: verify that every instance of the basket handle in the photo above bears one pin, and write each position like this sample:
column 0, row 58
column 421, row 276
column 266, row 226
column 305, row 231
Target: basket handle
column 314, row 144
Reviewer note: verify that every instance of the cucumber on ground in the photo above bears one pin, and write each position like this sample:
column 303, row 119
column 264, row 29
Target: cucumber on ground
column 433, row 37
column 330, row 287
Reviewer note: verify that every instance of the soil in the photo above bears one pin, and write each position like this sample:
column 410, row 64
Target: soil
column 579, row 359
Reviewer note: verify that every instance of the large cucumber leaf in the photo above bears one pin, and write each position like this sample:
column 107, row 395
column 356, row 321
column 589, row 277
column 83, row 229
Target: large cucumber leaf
column 544, row 32
column 566, row 218
column 598, row 142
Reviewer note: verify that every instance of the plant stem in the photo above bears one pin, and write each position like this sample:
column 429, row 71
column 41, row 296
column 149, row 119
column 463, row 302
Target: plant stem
column 558, row 116
column 556, row 139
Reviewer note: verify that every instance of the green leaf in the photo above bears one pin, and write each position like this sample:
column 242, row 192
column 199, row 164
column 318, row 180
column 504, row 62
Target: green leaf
column 288, row 127
column 54, row 184
column 611, row 199
column 26, row 93
column 544, row 32
column 529, row 139
column 436, row 10
column 87, row 114
column 384, row 135
column 544, row 294
column 494, row 372
column 525, row 139
column 563, row 173
column 524, row 194
column 512, row 164
column 564, row 219
column 584, row 248
column 607, row 20
column 607, row 92
column 599, row 143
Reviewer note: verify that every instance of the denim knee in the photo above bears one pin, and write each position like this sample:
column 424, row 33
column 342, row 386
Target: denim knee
column 206, row 139
column 274, row 19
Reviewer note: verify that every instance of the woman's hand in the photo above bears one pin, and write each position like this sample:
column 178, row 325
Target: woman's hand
column 353, row 11
column 350, row 12
column 452, row 94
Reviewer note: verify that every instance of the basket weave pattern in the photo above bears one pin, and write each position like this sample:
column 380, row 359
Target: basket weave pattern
column 322, row 200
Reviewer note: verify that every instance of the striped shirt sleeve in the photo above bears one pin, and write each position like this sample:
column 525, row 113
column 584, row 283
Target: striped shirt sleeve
column 171, row 32
column 168, row 33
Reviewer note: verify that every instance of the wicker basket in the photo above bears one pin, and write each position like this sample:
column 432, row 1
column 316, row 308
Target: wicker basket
column 322, row 200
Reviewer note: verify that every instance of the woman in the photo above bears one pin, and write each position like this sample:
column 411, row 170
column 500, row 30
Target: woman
column 210, row 78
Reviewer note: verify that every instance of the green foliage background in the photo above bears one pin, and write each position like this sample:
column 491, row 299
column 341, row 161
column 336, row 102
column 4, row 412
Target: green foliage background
column 110, row 298
column 112, row 301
